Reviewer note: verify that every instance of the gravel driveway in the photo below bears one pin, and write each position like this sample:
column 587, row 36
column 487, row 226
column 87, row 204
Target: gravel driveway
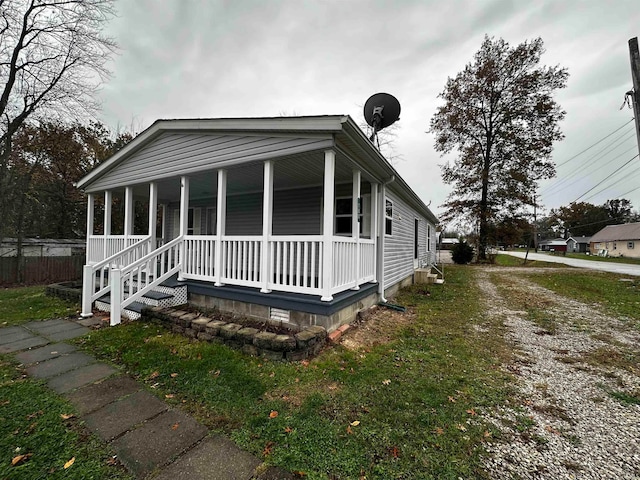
column 572, row 419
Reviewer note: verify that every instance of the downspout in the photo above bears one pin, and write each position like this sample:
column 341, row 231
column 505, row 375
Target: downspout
column 381, row 229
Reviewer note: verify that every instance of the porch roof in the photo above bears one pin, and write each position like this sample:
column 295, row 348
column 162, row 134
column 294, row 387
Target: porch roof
column 328, row 131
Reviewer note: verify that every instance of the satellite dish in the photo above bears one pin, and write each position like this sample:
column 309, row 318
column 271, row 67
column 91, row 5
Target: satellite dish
column 380, row 111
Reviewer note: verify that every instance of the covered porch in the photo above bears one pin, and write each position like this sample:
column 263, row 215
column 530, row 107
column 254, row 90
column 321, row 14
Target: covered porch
column 304, row 224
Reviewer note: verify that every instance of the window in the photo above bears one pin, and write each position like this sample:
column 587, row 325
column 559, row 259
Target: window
column 344, row 210
column 630, row 245
column 428, row 238
column 388, row 216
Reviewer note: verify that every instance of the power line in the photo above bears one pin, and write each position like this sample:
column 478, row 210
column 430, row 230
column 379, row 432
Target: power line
column 596, row 143
column 606, row 178
column 627, row 177
column 562, row 182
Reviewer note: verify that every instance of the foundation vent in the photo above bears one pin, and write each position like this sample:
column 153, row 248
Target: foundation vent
column 279, row 315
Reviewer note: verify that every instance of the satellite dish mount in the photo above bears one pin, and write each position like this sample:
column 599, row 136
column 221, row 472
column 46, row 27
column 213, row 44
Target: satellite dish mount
column 380, row 111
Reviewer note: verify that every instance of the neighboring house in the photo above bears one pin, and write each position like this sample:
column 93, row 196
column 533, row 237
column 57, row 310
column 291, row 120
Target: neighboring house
column 578, row 244
column 42, row 247
column 617, row 241
column 448, row 243
column 554, row 245
column 292, row 219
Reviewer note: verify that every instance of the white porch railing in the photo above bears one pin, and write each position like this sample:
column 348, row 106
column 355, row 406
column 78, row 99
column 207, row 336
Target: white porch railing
column 142, row 275
column 99, row 272
column 295, row 264
column 100, row 247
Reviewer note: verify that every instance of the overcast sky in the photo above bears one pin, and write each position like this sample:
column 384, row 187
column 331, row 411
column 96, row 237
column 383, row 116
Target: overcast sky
column 243, row 58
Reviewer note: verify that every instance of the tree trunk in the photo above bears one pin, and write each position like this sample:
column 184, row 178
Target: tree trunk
column 483, row 233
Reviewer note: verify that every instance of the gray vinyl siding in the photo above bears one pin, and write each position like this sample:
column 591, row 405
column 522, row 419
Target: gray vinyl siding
column 174, row 154
column 295, row 212
column 399, row 246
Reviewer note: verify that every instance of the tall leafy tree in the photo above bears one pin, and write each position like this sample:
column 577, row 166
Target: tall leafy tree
column 500, row 119
column 53, row 57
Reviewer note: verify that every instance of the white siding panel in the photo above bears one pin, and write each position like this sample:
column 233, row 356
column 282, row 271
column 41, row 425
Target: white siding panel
column 174, row 154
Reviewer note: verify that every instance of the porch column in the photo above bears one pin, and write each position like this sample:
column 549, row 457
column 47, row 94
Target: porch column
column 153, row 214
column 221, row 222
column 108, row 197
column 90, row 213
column 374, row 228
column 267, row 226
column 128, row 215
column 184, row 222
column 355, row 226
column 327, row 225
column 87, row 270
column 163, row 207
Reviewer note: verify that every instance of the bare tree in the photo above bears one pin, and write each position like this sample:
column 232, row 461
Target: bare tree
column 53, row 57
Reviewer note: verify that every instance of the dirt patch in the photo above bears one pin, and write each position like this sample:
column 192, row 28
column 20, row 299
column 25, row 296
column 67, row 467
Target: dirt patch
column 295, row 395
column 377, row 326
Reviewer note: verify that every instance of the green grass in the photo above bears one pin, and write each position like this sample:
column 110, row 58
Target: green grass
column 582, row 256
column 619, row 298
column 23, row 304
column 406, row 409
column 31, row 424
column 505, row 260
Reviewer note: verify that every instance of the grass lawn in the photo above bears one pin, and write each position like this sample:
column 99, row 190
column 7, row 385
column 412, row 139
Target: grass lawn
column 582, row 256
column 403, row 409
column 23, row 304
column 621, row 298
column 31, row 424
column 505, row 260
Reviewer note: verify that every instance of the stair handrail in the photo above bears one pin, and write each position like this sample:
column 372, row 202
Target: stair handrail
column 124, row 251
column 118, row 302
column 89, row 293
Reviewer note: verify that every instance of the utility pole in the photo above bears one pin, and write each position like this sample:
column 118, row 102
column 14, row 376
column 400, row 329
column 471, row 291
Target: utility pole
column 635, row 76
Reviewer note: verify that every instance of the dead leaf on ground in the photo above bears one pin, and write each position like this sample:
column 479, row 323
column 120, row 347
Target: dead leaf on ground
column 349, row 431
column 395, row 452
column 438, row 431
column 67, row 416
column 472, row 412
column 451, row 399
column 153, row 375
column 169, row 395
column 69, row 463
column 386, row 382
column 355, row 423
column 273, row 414
column 174, row 375
column 288, row 430
column 175, row 426
column 461, row 427
column 268, row 448
column 17, row 460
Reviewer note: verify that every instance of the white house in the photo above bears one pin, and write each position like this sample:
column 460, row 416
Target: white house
column 617, row 241
column 297, row 219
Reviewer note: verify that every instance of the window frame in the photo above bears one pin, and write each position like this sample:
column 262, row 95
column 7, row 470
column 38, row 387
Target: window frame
column 630, row 245
column 388, row 219
column 361, row 216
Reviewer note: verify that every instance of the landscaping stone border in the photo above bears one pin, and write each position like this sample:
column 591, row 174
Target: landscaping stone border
column 66, row 290
column 295, row 347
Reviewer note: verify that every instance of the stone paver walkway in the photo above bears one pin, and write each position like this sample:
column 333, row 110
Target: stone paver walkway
column 151, row 439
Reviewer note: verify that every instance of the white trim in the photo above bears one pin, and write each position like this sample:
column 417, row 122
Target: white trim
column 184, row 212
column 355, row 224
column 90, row 219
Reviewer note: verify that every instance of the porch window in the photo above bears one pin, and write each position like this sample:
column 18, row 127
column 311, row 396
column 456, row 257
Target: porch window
column 388, row 216
column 344, row 214
column 193, row 221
